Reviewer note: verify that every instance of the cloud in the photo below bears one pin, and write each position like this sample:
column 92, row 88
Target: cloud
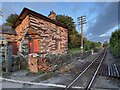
column 107, row 19
column 102, row 35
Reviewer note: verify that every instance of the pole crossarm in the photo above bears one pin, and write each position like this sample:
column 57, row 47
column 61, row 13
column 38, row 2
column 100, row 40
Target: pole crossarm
column 81, row 22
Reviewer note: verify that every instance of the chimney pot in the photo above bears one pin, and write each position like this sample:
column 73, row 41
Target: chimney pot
column 52, row 15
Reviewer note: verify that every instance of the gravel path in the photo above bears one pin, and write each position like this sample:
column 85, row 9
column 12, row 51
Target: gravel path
column 104, row 82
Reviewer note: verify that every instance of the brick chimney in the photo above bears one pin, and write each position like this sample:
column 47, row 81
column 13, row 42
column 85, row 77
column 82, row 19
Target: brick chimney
column 52, row 15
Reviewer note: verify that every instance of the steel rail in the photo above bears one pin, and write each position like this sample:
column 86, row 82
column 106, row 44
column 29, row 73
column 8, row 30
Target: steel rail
column 95, row 74
column 108, row 70
column 116, row 70
column 67, row 87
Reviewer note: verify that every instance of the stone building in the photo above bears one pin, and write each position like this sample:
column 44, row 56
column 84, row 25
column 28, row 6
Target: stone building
column 9, row 35
column 37, row 33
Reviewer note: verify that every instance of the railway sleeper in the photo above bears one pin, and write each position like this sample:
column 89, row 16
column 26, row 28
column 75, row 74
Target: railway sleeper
column 113, row 71
column 110, row 71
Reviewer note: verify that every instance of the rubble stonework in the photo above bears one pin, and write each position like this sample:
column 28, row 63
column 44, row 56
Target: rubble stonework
column 49, row 36
column 46, row 35
column 40, row 34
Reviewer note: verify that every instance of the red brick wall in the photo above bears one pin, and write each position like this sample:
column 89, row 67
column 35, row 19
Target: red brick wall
column 49, row 35
column 21, row 27
column 49, row 38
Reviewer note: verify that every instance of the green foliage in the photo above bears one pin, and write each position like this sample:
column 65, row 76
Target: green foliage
column 11, row 19
column 73, row 50
column 24, row 65
column 73, row 35
column 39, row 72
column 115, row 43
column 105, row 44
column 88, row 45
column 74, row 38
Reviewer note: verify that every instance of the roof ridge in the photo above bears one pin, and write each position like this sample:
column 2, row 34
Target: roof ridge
column 29, row 11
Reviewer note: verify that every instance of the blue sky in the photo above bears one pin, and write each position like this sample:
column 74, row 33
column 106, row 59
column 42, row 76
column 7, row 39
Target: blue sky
column 102, row 17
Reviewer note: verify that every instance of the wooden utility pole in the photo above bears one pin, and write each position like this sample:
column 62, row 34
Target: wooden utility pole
column 81, row 21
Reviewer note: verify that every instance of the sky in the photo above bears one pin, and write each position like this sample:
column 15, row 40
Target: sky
column 101, row 17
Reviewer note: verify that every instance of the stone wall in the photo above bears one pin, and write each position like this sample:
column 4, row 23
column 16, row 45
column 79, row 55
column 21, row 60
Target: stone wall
column 22, row 27
column 9, row 38
column 53, row 38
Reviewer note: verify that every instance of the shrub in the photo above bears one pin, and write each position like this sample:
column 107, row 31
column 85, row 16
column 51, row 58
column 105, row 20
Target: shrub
column 115, row 43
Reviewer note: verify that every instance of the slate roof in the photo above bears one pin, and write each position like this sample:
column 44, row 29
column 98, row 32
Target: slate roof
column 7, row 30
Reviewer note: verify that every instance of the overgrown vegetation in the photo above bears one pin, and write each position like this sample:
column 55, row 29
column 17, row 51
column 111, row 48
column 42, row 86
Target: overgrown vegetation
column 106, row 44
column 62, row 60
column 39, row 72
column 115, row 43
column 74, row 38
column 74, row 50
column 89, row 45
column 73, row 35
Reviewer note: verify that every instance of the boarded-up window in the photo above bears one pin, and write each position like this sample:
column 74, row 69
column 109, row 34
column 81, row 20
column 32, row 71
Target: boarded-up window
column 33, row 46
column 57, row 44
column 58, row 41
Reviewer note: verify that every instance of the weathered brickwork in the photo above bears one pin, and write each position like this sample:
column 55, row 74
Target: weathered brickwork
column 10, row 38
column 51, row 38
column 40, row 34
column 20, row 29
column 35, row 64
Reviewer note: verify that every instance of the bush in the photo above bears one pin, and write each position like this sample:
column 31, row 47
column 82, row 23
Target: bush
column 115, row 43
column 73, row 50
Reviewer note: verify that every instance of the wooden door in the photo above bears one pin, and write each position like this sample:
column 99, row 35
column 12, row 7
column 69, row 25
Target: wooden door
column 34, row 46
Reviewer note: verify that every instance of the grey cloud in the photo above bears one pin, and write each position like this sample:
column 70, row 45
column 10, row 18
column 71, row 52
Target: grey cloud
column 107, row 19
column 97, row 38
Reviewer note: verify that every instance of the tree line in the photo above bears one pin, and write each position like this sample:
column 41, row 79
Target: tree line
column 74, row 38
column 115, row 43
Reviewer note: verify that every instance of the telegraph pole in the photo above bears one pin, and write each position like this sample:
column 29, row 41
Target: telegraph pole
column 81, row 22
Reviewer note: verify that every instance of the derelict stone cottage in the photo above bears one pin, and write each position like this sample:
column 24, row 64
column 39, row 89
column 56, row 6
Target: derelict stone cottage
column 40, row 34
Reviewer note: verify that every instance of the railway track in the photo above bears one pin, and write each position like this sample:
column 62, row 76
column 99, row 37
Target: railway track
column 110, row 70
column 86, row 78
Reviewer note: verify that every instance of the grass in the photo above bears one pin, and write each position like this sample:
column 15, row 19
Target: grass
column 39, row 72
column 73, row 50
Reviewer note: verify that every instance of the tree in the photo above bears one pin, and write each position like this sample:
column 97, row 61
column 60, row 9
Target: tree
column 87, row 45
column 99, row 44
column 105, row 44
column 115, row 43
column 11, row 19
column 73, row 36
